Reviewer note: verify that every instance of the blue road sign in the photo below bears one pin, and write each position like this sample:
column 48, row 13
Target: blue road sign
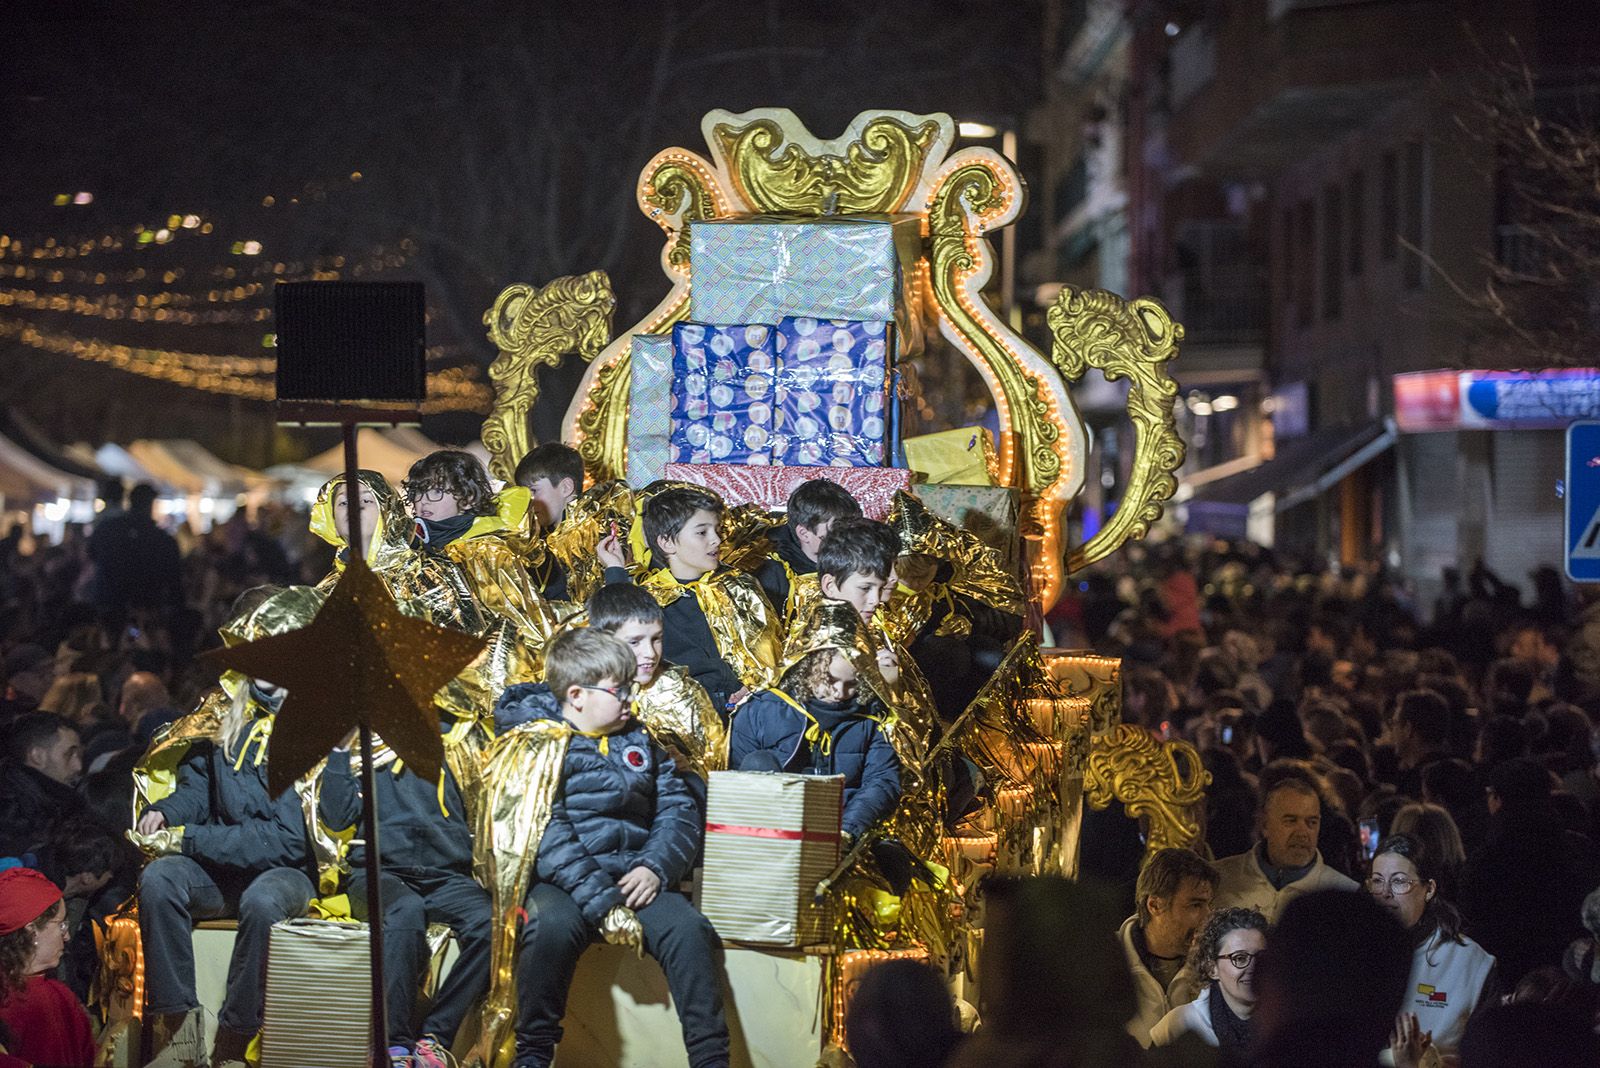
column 1583, row 502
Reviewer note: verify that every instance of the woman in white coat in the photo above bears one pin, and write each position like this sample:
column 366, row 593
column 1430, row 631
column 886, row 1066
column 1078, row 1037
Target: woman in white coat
column 1451, row 975
column 1224, row 953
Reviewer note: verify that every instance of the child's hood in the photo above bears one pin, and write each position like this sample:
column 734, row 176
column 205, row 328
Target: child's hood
column 524, row 703
column 387, row 545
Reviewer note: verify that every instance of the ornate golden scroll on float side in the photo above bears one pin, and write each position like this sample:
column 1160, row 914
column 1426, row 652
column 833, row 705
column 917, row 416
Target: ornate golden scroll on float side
column 534, row 327
column 1162, row 782
column 1130, row 339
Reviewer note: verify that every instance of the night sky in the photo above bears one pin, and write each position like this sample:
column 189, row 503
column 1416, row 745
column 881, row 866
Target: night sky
column 493, row 143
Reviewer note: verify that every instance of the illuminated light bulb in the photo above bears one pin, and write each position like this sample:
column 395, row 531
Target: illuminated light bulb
column 61, row 200
column 189, row 222
column 252, row 248
column 163, row 236
column 83, row 198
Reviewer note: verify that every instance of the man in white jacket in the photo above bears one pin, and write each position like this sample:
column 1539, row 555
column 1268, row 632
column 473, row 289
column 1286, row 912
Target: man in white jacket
column 1285, row 862
column 1172, row 899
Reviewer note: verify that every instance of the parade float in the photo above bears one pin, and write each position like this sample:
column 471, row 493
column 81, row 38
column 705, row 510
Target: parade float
column 805, row 279
column 883, row 227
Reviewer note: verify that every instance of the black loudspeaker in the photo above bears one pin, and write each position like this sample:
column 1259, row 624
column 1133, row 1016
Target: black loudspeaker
column 351, row 341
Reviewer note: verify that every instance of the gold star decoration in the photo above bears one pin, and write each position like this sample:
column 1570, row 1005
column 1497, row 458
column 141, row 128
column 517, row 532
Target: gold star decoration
column 360, row 662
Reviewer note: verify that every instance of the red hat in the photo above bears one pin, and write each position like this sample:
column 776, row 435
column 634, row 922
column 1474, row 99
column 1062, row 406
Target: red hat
column 25, row 895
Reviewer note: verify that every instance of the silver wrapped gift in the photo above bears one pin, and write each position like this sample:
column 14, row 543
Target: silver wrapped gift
column 770, row 838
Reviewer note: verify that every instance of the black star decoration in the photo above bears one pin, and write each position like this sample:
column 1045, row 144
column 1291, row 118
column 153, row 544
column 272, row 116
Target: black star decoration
column 360, row 662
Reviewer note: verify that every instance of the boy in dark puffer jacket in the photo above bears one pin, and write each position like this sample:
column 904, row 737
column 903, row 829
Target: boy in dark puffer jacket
column 622, row 832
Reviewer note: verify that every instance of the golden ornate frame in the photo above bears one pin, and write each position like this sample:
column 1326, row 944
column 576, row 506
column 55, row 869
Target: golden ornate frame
column 766, row 160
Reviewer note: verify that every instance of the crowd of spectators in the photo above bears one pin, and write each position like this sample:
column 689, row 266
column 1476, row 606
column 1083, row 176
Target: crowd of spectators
column 1400, row 792
column 1324, row 703
column 98, row 637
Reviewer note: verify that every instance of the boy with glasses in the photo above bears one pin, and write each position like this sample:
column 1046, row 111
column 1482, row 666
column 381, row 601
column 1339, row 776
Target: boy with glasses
column 580, row 785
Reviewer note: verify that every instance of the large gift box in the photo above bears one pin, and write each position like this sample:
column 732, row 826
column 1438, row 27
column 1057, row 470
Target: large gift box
column 769, row 487
column 318, row 997
column 650, row 405
column 760, row 268
column 770, row 838
column 833, row 393
column 722, row 377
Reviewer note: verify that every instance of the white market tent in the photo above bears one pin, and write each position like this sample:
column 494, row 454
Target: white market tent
column 40, row 483
column 388, row 452
column 205, row 487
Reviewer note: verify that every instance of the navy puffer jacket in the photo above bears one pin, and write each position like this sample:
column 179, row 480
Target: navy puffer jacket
column 858, row 748
column 614, row 811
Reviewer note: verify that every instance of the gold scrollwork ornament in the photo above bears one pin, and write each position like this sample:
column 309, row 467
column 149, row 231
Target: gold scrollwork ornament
column 1163, row 782
column 1132, row 339
column 534, row 327
column 877, row 173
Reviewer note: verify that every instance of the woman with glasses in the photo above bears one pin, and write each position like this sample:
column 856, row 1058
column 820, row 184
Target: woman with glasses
column 1451, row 975
column 41, row 1021
column 1224, row 952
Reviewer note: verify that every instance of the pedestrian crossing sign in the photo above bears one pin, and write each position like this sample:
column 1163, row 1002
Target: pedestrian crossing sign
column 1583, row 501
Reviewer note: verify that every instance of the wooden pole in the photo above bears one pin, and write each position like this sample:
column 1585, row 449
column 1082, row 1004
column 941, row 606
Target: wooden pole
column 369, row 800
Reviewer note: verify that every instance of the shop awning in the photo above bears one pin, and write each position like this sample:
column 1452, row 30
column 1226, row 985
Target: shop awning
column 1302, row 468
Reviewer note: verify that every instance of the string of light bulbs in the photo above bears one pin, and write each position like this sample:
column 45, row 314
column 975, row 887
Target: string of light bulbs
column 449, row 389
column 142, row 235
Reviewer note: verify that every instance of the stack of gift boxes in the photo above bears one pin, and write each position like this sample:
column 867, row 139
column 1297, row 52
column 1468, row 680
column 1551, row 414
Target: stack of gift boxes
column 789, row 355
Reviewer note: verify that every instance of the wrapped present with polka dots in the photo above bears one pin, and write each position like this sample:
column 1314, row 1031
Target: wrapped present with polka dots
column 723, row 384
column 832, row 393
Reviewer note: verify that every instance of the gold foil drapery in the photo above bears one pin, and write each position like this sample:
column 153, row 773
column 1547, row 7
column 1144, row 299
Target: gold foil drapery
column 740, row 618
column 522, row 774
column 678, row 714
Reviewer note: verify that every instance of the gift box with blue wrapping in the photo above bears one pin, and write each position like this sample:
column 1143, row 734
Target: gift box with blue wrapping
column 759, row 268
column 651, row 402
column 722, row 385
column 833, row 393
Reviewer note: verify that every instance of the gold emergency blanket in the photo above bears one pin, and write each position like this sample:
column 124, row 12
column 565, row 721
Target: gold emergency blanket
column 522, row 773
column 740, row 618
column 836, row 625
column 590, row 516
column 977, row 570
column 494, row 557
column 427, row 586
column 677, row 712
column 156, row 775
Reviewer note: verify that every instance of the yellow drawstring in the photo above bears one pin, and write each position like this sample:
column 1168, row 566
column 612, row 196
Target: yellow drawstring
column 814, row 734
column 260, row 732
column 602, row 739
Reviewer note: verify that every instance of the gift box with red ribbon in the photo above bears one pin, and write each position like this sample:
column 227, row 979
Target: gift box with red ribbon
column 770, row 838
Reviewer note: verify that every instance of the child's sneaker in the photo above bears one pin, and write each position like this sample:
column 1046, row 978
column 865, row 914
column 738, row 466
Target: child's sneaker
column 430, row 1055
column 399, row 1057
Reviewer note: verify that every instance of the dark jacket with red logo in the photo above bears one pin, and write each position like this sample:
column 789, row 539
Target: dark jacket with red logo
column 614, row 810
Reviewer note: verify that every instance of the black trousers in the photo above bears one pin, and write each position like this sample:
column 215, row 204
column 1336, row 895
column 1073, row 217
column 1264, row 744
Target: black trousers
column 412, row 899
column 677, row 936
column 175, row 891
